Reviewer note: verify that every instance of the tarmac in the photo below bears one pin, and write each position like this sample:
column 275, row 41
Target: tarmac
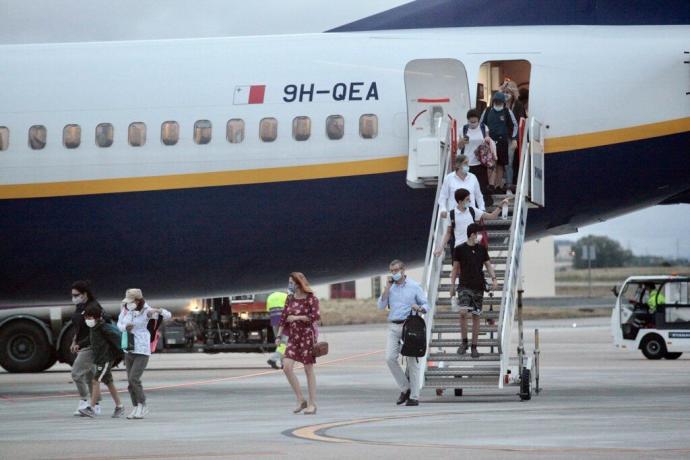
column 596, row 402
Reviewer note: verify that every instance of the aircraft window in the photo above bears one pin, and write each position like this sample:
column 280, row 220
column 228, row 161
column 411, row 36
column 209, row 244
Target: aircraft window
column 202, row 132
column 4, row 138
column 368, row 126
column 37, row 137
column 301, row 128
column 71, row 136
column 137, row 134
column 170, row 132
column 104, row 135
column 335, row 127
column 268, row 129
column 235, row 131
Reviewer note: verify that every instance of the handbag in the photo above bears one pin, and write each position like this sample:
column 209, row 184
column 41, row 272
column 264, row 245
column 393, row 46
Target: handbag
column 320, row 348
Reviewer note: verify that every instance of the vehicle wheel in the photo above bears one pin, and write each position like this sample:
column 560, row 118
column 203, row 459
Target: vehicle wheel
column 24, row 347
column 64, row 355
column 525, row 385
column 653, row 347
column 670, row 355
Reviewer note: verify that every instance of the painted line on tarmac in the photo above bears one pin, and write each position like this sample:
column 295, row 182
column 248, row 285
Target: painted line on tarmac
column 318, row 433
column 10, row 399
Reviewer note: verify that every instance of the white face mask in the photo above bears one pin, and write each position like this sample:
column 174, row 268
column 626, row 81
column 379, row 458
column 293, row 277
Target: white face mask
column 465, row 169
column 498, row 108
column 90, row 322
column 479, row 238
column 131, row 306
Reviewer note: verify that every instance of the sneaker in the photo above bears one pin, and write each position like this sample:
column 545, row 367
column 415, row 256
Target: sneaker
column 133, row 413
column 412, row 402
column 119, row 410
column 462, row 349
column 87, row 412
column 273, row 364
column 97, row 409
column 142, row 411
column 475, row 353
column 83, row 404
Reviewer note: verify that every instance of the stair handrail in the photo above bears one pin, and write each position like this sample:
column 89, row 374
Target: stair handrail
column 514, row 256
column 432, row 264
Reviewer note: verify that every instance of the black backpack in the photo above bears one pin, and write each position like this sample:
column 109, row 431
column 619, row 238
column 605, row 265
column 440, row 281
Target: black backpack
column 414, row 337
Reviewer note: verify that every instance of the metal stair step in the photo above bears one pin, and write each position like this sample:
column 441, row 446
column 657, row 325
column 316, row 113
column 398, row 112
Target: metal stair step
column 445, row 287
column 501, row 260
column 500, row 274
column 445, row 301
column 498, row 222
column 461, row 371
column 482, row 382
column 455, row 328
column 467, row 357
column 455, row 316
column 450, row 343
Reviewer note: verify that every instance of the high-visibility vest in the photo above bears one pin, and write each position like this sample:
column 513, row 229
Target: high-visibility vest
column 655, row 298
column 276, row 300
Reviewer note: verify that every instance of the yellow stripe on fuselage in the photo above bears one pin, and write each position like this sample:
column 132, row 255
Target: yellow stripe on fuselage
column 310, row 172
column 210, row 179
column 616, row 136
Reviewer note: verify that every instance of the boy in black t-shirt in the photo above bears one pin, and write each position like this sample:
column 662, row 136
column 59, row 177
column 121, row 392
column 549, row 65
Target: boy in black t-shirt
column 473, row 257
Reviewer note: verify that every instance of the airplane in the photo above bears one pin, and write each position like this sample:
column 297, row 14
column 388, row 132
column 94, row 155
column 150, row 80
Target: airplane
column 198, row 167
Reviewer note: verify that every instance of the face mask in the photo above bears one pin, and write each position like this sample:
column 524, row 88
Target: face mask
column 291, row 287
column 131, row 306
column 465, row 169
column 498, row 108
column 479, row 238
column 474, row 125
column 77, row 299
column 90, row 322
column 396, row 276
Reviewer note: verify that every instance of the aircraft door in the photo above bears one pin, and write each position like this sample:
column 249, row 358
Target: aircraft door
column 437, row 92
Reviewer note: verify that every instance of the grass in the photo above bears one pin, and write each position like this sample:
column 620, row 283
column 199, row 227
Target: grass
column 618, row 275
column 349, row 311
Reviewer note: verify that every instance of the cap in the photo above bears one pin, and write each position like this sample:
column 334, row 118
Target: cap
column 500, row 97
column 131, row 295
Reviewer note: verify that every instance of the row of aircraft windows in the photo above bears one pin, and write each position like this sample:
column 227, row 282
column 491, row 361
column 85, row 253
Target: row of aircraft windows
column 170, row 132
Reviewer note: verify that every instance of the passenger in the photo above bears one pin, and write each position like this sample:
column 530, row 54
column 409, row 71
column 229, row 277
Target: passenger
column 503, row 129
column 461, row 178
column 403, row 295
column 298, row 321
column 474, row 135
column 105, row 343
column 82, row 368
column 510, row 90
column 133, row 321
column 274, row 306
column 472, row 258
column 461, row 218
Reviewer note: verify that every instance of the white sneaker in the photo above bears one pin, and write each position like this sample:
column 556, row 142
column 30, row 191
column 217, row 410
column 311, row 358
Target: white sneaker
column 83, row 404
column 134, row 412
column 97, row 409
column 142, row 411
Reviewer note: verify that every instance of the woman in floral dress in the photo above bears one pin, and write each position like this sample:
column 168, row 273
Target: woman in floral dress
column 298, row 322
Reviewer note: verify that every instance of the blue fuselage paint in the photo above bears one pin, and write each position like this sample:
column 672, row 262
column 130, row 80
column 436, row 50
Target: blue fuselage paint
column 216, row 240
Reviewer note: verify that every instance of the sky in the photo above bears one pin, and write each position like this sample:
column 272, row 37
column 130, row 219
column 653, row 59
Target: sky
column 652, row 231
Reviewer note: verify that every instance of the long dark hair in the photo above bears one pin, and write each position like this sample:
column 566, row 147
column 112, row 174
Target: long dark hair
column 85, row 288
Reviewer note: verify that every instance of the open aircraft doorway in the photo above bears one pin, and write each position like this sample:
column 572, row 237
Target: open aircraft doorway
column 437, row 93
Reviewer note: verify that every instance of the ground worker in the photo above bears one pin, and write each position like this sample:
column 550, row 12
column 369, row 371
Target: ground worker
column 655, row 298
column 274, row 305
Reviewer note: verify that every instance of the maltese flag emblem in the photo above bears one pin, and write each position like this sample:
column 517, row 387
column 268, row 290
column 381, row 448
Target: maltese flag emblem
column 253, row 94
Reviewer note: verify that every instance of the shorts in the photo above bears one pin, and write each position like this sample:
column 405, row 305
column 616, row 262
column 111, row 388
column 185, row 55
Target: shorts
column 502, row 151
column 101, row 373
column 456, row 256
column 471, row 298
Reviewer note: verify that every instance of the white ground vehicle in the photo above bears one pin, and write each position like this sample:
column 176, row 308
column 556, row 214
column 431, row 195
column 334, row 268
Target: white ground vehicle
column 664, row 333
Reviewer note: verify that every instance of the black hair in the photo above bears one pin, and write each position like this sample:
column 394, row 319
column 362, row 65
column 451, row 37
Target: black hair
column 93, row 311
column 461, row 194
column 85, row 288
column 473, row 228
column 473, row 113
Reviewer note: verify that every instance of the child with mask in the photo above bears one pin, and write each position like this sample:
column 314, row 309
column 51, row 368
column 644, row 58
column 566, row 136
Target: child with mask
column 133, row 322
column 105, row 343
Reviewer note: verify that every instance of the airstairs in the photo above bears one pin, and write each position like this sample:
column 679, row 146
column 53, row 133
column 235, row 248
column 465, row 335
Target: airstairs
column 443, row 368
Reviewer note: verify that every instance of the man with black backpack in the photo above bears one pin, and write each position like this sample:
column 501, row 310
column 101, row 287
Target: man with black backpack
column 503, row 129
column 406, row 300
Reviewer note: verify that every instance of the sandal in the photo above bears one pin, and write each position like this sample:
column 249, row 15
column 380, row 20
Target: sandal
column 300, row 408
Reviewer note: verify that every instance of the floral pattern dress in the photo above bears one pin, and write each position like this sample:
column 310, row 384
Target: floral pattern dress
column 301, row 334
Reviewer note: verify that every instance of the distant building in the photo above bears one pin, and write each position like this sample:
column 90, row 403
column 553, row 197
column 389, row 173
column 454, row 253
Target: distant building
column 565, row 255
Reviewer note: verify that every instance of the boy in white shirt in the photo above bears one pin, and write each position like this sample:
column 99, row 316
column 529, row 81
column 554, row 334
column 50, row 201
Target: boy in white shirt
column 460, row 178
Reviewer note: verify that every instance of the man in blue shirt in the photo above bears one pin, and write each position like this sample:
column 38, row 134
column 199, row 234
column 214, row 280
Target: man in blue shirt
column 402, row 295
